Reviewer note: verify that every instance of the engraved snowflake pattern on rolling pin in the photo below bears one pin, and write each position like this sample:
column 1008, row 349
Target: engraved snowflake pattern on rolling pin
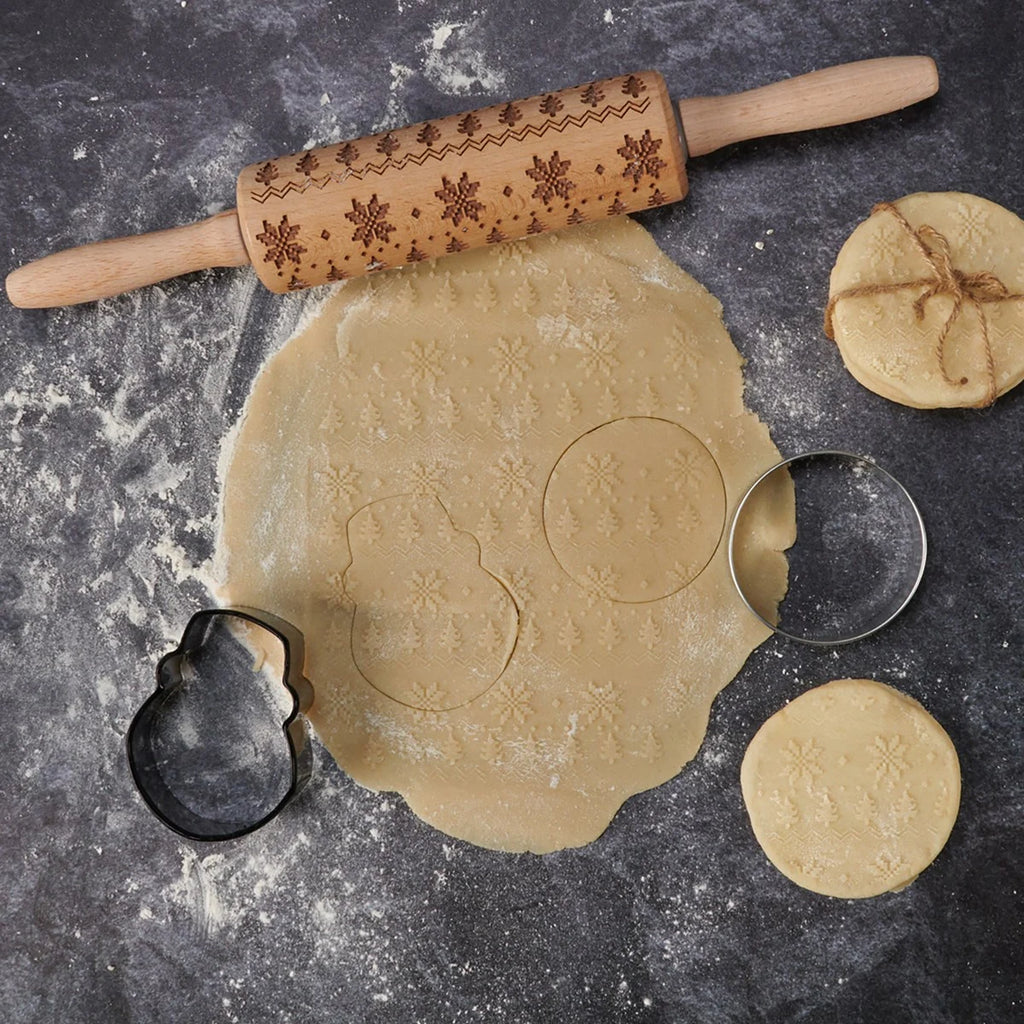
column 641, row 156
column 281, row 243
column 551, row 178
column 369, row 220
column 485, row 166
column 459, row 199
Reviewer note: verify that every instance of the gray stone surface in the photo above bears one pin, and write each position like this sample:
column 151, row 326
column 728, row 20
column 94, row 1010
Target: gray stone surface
column 120, row 116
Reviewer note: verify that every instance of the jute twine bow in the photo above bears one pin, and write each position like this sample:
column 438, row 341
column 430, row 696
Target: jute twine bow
column 975, row 290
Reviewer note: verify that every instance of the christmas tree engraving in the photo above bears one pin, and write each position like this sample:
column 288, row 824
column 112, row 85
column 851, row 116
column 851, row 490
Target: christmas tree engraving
column 307, row 164
column 267, row 173
column 348, row 154
column 510, row 115
column 388, row 144
column 428, row 135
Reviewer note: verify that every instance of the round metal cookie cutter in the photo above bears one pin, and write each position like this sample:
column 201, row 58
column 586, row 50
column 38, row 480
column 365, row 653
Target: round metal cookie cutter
column 859, row 554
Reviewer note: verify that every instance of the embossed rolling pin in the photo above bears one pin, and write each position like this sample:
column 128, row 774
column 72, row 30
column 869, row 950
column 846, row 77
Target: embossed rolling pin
column 474, row 179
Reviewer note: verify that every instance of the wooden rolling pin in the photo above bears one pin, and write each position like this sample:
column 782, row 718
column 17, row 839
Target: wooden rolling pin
column 387, row 200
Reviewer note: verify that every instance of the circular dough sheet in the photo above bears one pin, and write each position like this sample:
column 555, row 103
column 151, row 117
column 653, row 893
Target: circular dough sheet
column 893, row 352
column 852, row 789
column 491, row 492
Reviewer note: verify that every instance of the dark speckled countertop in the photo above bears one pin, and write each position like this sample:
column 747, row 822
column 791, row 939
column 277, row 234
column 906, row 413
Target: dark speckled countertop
column 120, row 116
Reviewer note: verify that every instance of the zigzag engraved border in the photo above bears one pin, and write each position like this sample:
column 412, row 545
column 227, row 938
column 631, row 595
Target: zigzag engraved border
column 517, row 134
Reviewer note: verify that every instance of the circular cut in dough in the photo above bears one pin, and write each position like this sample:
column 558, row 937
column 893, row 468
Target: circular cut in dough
column 900, row 354
column 386, row 494
column 635, row 509
column 852, row 789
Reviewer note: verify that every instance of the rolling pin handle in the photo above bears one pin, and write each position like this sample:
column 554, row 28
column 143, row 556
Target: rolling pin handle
column 820, row 99
column 97, row 271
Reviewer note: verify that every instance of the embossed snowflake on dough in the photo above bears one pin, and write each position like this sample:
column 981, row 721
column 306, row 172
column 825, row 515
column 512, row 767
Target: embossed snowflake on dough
column 598, row 354
column 521, row 585
column 600, row 473
column 601, row 703
column 887, row 761
column 973, row 224
column 341, row 482
column 890, row 243
column 601, row 581
column 681, row 355
column 424, row 359
column 426, row 590
column 514, row 702
column 427, row 698
column 511, row 360
column 425, row 479
column 802, row 762
column 512, row 476
column 891, row 365
column 810, row 867
column 686, row 469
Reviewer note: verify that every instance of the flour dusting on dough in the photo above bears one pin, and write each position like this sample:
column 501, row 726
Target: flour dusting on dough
column 464, row 383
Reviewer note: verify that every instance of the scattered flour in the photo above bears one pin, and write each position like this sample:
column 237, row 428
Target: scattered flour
column 395, row 112
column 457, row 62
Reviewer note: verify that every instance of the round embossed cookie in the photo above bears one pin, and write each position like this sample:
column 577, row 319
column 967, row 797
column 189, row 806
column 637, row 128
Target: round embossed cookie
column 491, row 491
column 852, row 789
column 926, row 300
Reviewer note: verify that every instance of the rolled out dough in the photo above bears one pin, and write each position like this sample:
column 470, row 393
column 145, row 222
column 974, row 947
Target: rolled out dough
column 895, row 352
column 852, row 789
column 491, row 491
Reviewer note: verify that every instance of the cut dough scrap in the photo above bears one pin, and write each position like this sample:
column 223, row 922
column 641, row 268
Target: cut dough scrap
column 852, row 789
column 896, row 354
column 386, row 493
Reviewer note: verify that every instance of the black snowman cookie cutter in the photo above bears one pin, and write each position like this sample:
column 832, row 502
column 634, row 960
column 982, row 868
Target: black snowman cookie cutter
column 146, row 761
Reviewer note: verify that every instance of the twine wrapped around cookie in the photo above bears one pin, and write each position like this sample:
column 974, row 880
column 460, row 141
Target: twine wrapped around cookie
column 976, row 289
